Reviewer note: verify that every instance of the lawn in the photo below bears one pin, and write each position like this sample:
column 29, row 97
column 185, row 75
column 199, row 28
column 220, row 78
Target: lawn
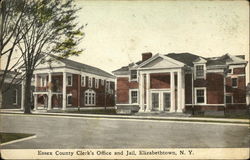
column 7, row 137
column 95, row 111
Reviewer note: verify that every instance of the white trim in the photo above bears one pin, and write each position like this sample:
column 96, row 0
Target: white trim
column 236, row 75
column 40, row 93
column 16, row 92
column 160, row 70
column 90, row 82
column 83, row 82
column 125, row 104
column 87, row 102
column 71, row 77
column 232, row 98
column 68, row 95
column 137, row 75
column 130, row 96
column 43, row 80
column 72, row 71
column 215, row 71
column 120, row 76
column 236, row 82
column 204, row 69
column 102, row 82
column 178, row 63
column 205, row 95
column 205, row 104
column 96, row 83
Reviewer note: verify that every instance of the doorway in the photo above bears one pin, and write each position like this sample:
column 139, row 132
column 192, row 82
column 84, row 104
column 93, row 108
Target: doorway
column 160, row 100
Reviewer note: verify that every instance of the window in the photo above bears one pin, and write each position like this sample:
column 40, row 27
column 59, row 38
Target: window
column 69, row 80
column 107, row 87
column 234, row 82
column 69, row 99
column 230, row 71
column 96, row 83
column 43, row 81
column 199, row 71
column 133, row 96
column 90, row 98
column 200, row 95
column 102, row 81
column 133, row 75
column 229, row 99
column 90, row 82
column 83, row 81
column 14, row 96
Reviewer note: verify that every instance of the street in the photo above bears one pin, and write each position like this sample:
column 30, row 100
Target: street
column 79, row 132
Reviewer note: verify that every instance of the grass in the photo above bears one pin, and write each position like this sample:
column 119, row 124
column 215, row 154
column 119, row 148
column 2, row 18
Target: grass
column 235, row 116
column 95, row 111
column 7, row 137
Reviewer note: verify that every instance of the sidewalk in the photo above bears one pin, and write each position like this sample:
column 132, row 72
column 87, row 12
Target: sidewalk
column 140, row 116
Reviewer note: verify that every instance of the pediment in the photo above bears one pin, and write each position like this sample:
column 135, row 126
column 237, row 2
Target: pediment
column 52, row 64
column 200, row 60
column 162, row 62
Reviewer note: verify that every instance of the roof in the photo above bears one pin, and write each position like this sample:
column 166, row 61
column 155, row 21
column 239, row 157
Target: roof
column 84, row 67
column 189, row 58
column 186, row 58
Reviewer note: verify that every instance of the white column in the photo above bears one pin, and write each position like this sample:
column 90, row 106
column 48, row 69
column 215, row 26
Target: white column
column 35, row 95
column 23, row 91
column 148, row 98
column 141, row 92
column 172, row 93
column 64, row 91
column 179, row 91
column 35, row 101
column 183, row 90
column 49, row 92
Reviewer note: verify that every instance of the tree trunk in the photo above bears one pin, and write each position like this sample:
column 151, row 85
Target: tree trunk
column 27, row 93
column 1, row 98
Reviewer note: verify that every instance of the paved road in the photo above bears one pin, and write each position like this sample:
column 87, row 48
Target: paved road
column 62, row 132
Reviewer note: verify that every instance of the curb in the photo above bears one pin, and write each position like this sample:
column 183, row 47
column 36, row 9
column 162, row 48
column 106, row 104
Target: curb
column 189, row 119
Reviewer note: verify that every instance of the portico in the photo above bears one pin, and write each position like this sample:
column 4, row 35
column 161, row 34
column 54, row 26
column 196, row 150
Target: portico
column 170, row 99
column 45, row 87
column 169, row 96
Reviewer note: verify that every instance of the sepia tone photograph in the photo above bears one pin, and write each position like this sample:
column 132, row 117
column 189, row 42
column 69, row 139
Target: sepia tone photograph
column 124, row 79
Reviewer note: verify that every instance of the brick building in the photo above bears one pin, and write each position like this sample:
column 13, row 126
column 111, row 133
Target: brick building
column 179, row 82
column 11, row 91
column 64, row 83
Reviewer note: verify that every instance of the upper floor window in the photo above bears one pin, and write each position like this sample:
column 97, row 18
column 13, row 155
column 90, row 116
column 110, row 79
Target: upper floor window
column 234, row 82
column 107, row 87
column 14, row 98
column 90, row 82
column 83, row 81
column 96, row 83
column 69, row 80
column 199, row 71
column 102, row 82
column 133, row 75
column 200, row 95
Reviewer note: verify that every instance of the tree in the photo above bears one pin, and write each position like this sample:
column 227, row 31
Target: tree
column 49, row 29
column 11, row 13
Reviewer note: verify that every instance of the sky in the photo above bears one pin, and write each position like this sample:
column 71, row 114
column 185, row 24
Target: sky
column 117, row 32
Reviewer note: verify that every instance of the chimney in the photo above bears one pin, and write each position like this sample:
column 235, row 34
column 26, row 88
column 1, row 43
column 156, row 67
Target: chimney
column 146, row 56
